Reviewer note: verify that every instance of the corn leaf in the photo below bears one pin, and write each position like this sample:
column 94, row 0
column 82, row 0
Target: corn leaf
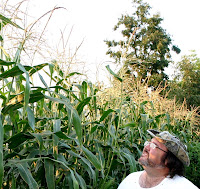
column 131, row 160
column 84, row 90
column 114, row 74
column 80, row 180
column 37, row 68
column 82, row 104
column 1, row 152
column 72, row 114
column 26, row 175
column 49, row 173
column 86, row 163
column 27, row 88
column 75, row 182
column 6, row 63
column 31, row 118
column 18, row 139
column 15, row 71
column 105, row 114
column 8, row 21
column 92, row 158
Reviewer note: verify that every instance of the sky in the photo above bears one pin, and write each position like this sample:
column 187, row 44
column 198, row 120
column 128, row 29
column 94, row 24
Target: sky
column 85, row 24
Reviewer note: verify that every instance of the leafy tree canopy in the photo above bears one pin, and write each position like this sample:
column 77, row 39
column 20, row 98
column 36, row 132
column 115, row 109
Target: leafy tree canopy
column 186, row 84
column 145, row 47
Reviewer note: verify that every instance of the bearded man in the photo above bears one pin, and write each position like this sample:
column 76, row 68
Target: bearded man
column 163, row 160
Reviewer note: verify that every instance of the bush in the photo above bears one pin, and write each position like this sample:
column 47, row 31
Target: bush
column 193, row 171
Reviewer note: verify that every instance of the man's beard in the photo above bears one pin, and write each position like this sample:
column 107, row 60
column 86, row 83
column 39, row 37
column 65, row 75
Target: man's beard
column 148, row 163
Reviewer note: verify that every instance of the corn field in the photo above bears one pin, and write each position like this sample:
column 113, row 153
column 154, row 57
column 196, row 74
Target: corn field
column 76, row 135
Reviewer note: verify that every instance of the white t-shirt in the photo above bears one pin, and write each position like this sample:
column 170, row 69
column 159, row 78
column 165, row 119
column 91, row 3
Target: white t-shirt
column 177, row 182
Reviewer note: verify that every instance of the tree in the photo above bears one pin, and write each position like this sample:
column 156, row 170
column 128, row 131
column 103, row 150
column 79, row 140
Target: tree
column 186, row 83
column 145, row 49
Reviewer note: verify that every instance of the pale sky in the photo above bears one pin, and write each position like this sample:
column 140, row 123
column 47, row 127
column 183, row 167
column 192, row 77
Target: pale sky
column 93, row 22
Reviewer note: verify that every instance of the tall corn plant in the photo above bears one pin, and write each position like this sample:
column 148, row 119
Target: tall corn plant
column 67, row 135
column 41, row 131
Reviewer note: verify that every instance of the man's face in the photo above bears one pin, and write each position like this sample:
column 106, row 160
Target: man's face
column 154, row 158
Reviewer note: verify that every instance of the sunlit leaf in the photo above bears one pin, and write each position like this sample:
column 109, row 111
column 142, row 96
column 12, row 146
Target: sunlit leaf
column 114, row 74
column 31, row 118
column 131, row 160
column 92, row 158
column 80, row 180
column 27, row 87
column 75, row 182
column 49, row 173
column 1, row 152
column 18, row 139
column 6, row 63
column 8, row 21
column 82, row 104
column 105, row 114
column 26, row 175
column 72, row 114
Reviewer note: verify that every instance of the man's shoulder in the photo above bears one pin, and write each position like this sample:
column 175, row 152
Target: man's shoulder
column 130, row 181
column 182, row 182
column 135, row 174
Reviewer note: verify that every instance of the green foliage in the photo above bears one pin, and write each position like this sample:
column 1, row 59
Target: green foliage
column 146, row 45
column 63, row 136
column 187, row 81
column 193, row 172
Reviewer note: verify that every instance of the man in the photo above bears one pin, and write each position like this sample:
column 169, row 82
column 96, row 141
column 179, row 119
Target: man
column 163, row 160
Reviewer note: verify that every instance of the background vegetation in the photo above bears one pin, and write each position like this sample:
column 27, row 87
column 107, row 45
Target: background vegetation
column 78, row 134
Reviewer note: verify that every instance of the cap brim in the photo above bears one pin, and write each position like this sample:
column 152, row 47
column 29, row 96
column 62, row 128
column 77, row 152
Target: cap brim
column 153, row 132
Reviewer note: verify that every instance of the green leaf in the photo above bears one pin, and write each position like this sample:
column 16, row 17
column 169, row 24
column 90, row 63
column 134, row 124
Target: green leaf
column 35, row 96
column 6, row 63
column 11, row 107
column 108, row 184
column 18, row 70
column 92, row 158
column 13, row 182
column 26, row 175
column 73, row 73
column 72, row 116
column 37, row 68
column 84, row 90
column 1, row 152
column 27, row 88
column 86, row 164
column 44, row 82
column 49, row 173
column 20, row 161
column 11, row 72
column 132, row 124
column 131, row 160
column 114, row 74
column 61, row 135
column 80, row 180
column 8, row 21
column 105, row 114
column 38, row 136
column 31, row 117
column 82, row 104
column 18, row 139
column 56, row 125
column 18, row 52
column 75, row 182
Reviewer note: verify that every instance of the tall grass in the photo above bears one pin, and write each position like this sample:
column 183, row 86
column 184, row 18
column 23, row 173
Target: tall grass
column 76, row 135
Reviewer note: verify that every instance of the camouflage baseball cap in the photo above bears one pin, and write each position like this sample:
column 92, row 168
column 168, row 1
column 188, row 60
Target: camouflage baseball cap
column 173, row 144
